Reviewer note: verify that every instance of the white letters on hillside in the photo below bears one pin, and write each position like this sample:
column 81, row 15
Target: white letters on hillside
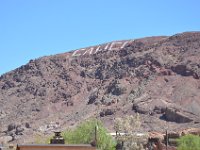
column 93, row 50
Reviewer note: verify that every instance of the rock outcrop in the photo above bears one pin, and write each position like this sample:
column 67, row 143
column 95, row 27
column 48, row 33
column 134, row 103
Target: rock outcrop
column 176, row 116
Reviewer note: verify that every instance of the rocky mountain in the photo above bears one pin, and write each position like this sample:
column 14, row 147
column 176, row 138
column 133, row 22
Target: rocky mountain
column 157, row 77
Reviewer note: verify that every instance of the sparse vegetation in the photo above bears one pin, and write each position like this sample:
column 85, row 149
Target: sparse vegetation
column 189, row 142
column 84, row 133
column 130, row 125
column 42, row 139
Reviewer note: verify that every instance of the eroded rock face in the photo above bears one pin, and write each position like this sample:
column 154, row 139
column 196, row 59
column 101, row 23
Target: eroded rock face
column 144, row 76
column 176, row 116
column 141, row 109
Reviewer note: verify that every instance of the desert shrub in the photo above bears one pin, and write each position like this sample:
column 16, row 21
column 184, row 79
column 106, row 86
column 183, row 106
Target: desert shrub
column 84, row 133
column 189, row 142
column 130, row 125
column 42, row 139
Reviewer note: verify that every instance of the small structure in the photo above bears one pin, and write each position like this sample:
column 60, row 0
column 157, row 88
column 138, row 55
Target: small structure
column 57, row 139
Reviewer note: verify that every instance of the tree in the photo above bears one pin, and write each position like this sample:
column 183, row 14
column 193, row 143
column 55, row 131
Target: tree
column 130, row 126
column 189, row 142
column 84, row 133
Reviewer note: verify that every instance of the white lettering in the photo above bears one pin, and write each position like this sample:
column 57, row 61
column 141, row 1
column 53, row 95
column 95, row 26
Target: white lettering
column 117, row 45
column 123, row 45
column 75, row 52
column 90, row 50
column 107, row 45
column 98, row 49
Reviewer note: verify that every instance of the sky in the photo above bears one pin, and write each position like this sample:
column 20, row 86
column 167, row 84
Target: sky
column 30, row 29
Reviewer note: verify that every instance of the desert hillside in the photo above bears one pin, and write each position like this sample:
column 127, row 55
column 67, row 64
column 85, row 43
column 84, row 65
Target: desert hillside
column 157, row 77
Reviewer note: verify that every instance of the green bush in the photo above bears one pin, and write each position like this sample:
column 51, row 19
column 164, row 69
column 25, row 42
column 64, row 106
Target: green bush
column 84, row 133
column 189, row 142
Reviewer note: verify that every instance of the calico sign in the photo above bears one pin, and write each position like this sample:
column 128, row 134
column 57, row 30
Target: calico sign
column 109, row 46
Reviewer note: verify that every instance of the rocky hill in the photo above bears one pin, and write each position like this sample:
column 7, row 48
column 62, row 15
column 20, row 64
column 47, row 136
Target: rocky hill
column 157, row 77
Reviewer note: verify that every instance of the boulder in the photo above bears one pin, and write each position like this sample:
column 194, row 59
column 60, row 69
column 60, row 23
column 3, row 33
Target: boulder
column 176, row 116
column 182, row 70
column 141, row 109
column 27, row 125
column 116, row 89
column 107, row 112
column 19, row 130
column 93, row 96
column 11, row 127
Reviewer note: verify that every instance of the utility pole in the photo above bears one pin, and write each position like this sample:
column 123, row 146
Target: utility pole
column 95, row 133
column 166, row 136
column 166, row 140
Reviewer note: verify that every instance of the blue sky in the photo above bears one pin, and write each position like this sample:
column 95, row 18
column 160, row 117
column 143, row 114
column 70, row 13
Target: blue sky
column 33, row 28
